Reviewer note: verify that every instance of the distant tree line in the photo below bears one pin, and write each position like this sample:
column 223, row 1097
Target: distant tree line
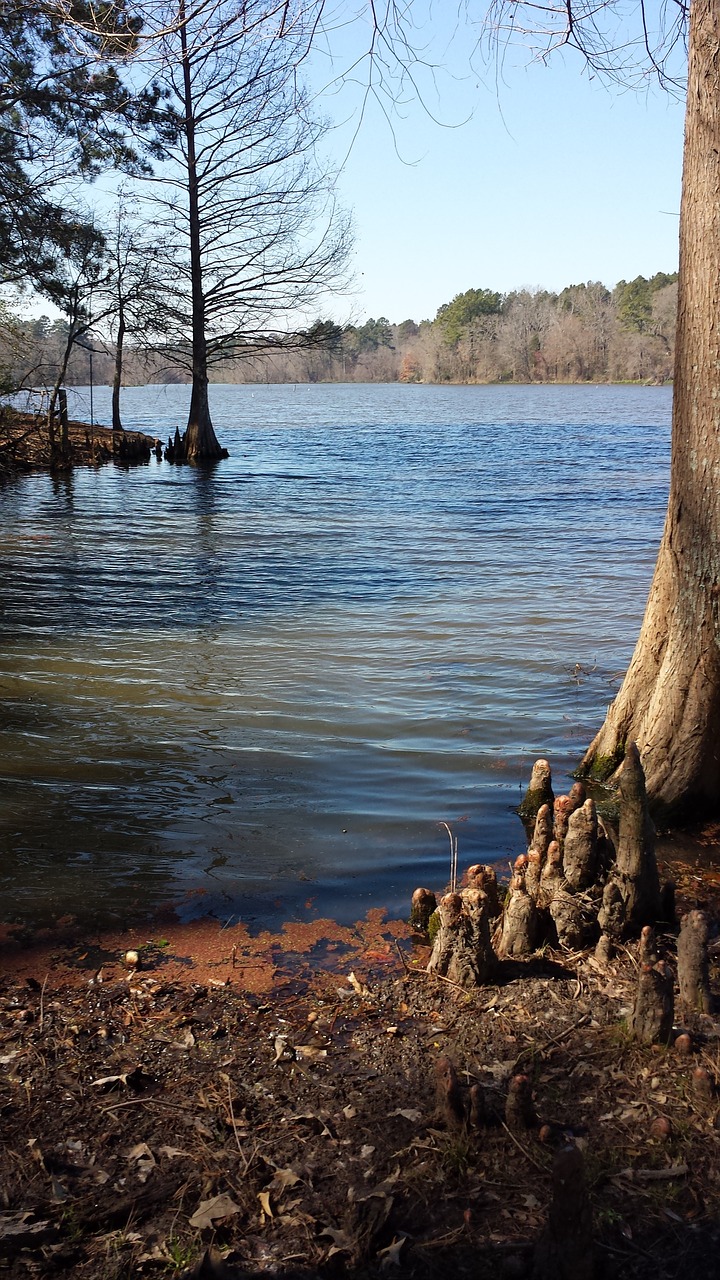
column 585, row 333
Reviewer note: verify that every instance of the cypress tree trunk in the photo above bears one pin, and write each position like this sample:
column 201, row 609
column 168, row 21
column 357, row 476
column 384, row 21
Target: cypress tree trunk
column 669, row 702
column 117, row 372
column 200, row 442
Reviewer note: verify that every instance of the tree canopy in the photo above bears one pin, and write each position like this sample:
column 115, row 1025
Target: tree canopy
column 65, row 112
column 465, row 307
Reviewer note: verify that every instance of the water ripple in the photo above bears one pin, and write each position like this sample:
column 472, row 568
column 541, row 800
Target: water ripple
column 271, row 681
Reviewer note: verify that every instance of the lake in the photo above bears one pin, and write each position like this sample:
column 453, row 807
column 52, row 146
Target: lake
column 259, row 690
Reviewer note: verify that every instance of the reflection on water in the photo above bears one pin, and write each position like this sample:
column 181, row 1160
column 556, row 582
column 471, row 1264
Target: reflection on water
column 269, row 682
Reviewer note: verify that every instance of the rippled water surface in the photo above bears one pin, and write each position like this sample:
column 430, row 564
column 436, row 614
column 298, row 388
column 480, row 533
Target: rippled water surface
column 245, row 689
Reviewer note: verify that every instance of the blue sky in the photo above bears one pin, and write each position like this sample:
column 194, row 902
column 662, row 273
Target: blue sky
column 554, row 179
column 542, row 177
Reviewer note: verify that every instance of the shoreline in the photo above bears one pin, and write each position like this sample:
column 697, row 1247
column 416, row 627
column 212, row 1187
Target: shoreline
column 24, row 445
column 263, row 956
column 177, row 1118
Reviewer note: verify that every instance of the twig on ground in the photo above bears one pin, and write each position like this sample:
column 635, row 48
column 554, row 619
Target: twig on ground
column 42, row 1001
column 543, row 1168
column 243, row 1157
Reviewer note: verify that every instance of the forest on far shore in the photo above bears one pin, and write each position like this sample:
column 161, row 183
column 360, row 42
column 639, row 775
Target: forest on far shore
column 585, row 333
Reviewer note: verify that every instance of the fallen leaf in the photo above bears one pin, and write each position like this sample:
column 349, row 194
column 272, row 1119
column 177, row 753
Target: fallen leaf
column 144, row 1159
column 22, row 1232
column 210, row 1211
column 35, row 1151
column 282, row 1050
column 264, row 1198
column 342, row 1242
column 186, row 1040
column 140, row 1152
column 109, row 1082
column 295, row 1220
column 59, row 1192
column 309, row 1117
column 156, row 1253
column 390, row 1257
column 282, row 1179
column 358, row 987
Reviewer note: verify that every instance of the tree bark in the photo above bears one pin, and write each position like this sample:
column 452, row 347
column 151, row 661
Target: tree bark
column 692, row 958
column 462, row 950
column 200, row 444
column 654, row 1007
column 117, row 371
column 539, row 793
column 669, row 702
column 631, row 897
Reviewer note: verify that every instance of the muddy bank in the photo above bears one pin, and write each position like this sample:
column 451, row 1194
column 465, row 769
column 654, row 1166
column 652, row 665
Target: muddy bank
column 25, row 445
column 236, row 1104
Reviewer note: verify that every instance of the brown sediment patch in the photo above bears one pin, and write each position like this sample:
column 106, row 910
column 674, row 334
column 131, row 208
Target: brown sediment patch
column 201, row 951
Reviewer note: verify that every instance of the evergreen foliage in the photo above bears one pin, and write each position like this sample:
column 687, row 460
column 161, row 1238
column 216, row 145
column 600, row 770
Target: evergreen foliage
column 65, row 111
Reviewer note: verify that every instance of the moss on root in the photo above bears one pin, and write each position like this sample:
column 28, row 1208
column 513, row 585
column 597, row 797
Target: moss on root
column 532, row 803
column 433, row 926
column 603, row 767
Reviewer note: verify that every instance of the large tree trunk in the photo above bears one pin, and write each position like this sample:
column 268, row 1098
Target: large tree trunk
column 200, row 444
column 117, row 372
column 669, row 702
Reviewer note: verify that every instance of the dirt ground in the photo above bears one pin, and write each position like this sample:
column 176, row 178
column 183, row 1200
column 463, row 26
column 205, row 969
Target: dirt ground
column 25, row 445
column 236, row 1105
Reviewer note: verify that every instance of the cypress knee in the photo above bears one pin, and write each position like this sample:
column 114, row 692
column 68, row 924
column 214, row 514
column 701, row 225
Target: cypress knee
column 692, row 958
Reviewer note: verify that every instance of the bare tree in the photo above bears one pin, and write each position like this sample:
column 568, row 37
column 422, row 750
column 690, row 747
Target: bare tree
column 136, row 291
column 527, row 316
column 71, row 289
column 250, row 217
